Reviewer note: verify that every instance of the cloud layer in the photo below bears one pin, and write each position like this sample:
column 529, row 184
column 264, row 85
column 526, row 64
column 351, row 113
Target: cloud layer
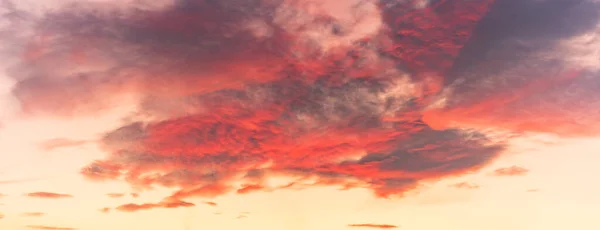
column 381, row 95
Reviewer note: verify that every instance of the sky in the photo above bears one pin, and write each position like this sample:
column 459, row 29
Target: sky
column 299, row 114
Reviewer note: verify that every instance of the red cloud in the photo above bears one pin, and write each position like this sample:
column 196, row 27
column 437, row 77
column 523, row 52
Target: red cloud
column 383, row 226
column 222, row 106
column 33, row 214
column 465, row 185
column 48, row 227
column 48, row 195
column 115, row 195
column 146, row 206
column 511, row 171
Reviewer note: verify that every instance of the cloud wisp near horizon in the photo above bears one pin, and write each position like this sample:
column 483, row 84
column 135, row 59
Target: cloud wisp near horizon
column 241, row 97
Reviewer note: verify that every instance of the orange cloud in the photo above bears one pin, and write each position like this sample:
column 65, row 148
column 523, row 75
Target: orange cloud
column 250, row 188
column 135, row 195
column 115, row 195
column 383, row 226
column 210, row 203
column 48, row 195
column 511, row 171
column 146, row 206
column 1, row 216
column 105, row 210
column 33, row 214
column 48, row 227
column 465, row 185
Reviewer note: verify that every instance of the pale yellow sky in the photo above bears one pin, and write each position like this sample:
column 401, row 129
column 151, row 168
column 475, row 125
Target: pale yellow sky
column 557, row 190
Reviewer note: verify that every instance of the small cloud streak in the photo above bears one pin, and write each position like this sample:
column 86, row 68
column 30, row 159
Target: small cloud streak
column 382, row 226
column 33, row 214
column 511, row 171
column 115, row 195
column 465, row 185
column 250, row 188
column 131, row 207
column 57, row 143
column 105, row 210
column 1, row 216
column 16, row 181
column 42, row 227
column 134, row 195
column 210, row 203
column 48, row 195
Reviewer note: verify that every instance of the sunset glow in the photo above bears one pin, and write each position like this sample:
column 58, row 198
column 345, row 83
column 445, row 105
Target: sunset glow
column 299, row 114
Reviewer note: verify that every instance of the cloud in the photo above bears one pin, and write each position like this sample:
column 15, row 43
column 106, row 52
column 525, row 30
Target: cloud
column 1, row 216
column 250, row 188
column 135, row 195
column 211, row 203
column 131, row 207
column 382, row 226
column 465, row 185
column 115, row 195
column 105, row 210
column 42, row 227
column 517, row 73
column 48, row 195
column 16, row 181
column 533, row 190
column 228, row 96
column 33, row 214
column 57, row 143
column 2, row 195
column 511, row 171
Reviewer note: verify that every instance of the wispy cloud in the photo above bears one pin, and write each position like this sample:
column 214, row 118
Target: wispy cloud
column 57, row 143
column 42, row 227
column 48, row 195
column 210, row 203
column 115, row 195
column 17, row 181
column 511, row 171
column 383, row 226
column 465, row 185
column 131, row 207
column 33, row 214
